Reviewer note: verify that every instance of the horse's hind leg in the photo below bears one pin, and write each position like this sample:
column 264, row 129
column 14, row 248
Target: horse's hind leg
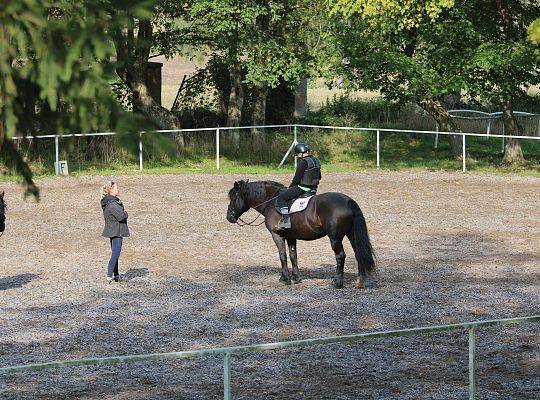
column 294, row 260
column 337, row 246
column 280, row 243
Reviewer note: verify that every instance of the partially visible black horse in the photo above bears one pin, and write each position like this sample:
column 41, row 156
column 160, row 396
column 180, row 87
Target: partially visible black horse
column 2, row 213
column 329, row 214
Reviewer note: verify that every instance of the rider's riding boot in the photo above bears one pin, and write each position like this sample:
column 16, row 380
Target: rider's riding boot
column 285, row 222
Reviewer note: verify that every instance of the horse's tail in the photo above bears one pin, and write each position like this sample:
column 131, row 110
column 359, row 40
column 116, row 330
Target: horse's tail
column 359, row 239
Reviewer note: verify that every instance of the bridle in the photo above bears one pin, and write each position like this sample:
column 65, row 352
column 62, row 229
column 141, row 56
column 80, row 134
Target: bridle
column 252, row 223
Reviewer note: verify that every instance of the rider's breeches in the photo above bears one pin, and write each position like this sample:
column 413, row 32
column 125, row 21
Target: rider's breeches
column 289, row 194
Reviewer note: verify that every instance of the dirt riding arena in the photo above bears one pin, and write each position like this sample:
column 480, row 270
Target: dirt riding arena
column 451, row 248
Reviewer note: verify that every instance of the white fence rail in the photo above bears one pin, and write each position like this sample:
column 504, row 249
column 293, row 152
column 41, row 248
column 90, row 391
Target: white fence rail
column 294, row 127
column 227, row 352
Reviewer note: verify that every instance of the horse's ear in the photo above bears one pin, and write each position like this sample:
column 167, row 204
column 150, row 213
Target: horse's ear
column 236, row 185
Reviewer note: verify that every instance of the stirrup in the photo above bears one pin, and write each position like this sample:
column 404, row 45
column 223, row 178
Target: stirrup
column 285, row 222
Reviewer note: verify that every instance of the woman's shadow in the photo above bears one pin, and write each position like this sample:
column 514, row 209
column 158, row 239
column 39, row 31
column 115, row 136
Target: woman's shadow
column 17, row 281
column 134, row 273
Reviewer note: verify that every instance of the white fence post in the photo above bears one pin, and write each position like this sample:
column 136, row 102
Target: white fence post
column 217, row 148
column 472, row 364
column 378, row 149
column 502, row 144
column 291, row 147
column 227, row 395
column 464, row 155
column 57, row 155
column 140, row 152
column 436, row 137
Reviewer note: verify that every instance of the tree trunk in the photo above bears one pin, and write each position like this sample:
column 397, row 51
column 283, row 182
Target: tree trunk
column 133, row 74
column 258, row 117
column 446, row 124
column 2, row 133
column 512, row 151
column 300, row 99
column 236, row 102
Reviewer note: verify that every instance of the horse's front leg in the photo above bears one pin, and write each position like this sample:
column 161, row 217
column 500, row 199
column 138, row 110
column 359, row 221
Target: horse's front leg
column 294, row 260
column 337, row 246
column 280, row 243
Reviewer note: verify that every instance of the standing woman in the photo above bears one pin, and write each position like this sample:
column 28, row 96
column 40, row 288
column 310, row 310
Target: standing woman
column 115, row 225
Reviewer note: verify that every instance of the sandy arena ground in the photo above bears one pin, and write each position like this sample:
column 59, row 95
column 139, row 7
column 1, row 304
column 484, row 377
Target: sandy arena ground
column 451, row 248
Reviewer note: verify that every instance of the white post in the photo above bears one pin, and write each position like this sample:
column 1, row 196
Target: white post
column 217, row 148
column 378, row 149
column 57, row 155
column 463, row 156
column 437, row 137
column 502, row 145
column 227, row 394
column 295, row 143
column 140, row 152
column 472, row 364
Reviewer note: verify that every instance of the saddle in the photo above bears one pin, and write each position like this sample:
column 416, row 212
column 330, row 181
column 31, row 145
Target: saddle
column 298, row 204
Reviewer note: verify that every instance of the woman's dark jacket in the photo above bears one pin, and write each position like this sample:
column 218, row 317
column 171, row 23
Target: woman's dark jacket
column 115, row 217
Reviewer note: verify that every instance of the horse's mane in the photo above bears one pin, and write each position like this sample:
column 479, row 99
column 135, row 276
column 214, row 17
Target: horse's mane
column 275, row 184
column 246, row 188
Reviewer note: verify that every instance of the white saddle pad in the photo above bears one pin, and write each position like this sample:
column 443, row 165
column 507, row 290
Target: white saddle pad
column 300, row 204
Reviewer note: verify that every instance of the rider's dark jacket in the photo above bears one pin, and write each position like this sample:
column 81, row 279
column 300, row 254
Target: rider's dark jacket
column 308, row 173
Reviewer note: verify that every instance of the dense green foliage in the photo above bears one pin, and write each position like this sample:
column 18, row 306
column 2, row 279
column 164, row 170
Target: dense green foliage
column 54, row 64
column 58, row 59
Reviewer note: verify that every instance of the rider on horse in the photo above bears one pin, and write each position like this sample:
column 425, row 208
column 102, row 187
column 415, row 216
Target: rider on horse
column 306, row 179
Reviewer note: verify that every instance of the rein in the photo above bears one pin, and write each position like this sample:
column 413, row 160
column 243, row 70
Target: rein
column 251, row 223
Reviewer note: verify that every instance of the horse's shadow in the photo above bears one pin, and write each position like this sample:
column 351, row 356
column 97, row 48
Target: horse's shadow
column 134, row 273
column 323, row 272
column 17, row 281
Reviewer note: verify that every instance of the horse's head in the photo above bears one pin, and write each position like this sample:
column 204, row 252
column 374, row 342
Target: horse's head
column 2, row 212
column 238, row 201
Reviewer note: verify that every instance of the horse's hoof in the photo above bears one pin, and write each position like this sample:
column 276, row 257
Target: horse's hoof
column 360, row 284
column 337, row 285
column 286, row 281
column 297, row 281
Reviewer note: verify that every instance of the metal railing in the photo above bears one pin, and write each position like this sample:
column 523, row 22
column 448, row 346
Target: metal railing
column 227, row 352
column 295, row 127
column 408, row 131
column 489, row 117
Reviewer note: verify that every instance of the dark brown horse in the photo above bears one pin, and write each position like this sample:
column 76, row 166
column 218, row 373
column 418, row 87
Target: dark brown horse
column 329, row 214
column 2, row 213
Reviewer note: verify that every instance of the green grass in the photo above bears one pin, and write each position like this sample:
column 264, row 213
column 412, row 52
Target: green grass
column 396, row 155
column 339, row 150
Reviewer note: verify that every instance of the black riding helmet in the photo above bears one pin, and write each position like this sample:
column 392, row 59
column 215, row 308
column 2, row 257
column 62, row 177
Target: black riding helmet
column 301, row 148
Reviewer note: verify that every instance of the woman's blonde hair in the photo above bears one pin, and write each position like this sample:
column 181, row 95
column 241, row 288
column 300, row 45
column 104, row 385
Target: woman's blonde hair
column 106, row 189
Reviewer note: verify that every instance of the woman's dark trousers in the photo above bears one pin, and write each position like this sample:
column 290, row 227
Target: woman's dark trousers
column 116, row 247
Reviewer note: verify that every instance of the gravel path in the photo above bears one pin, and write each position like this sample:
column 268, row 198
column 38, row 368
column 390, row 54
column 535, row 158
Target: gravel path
column 451, row 248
